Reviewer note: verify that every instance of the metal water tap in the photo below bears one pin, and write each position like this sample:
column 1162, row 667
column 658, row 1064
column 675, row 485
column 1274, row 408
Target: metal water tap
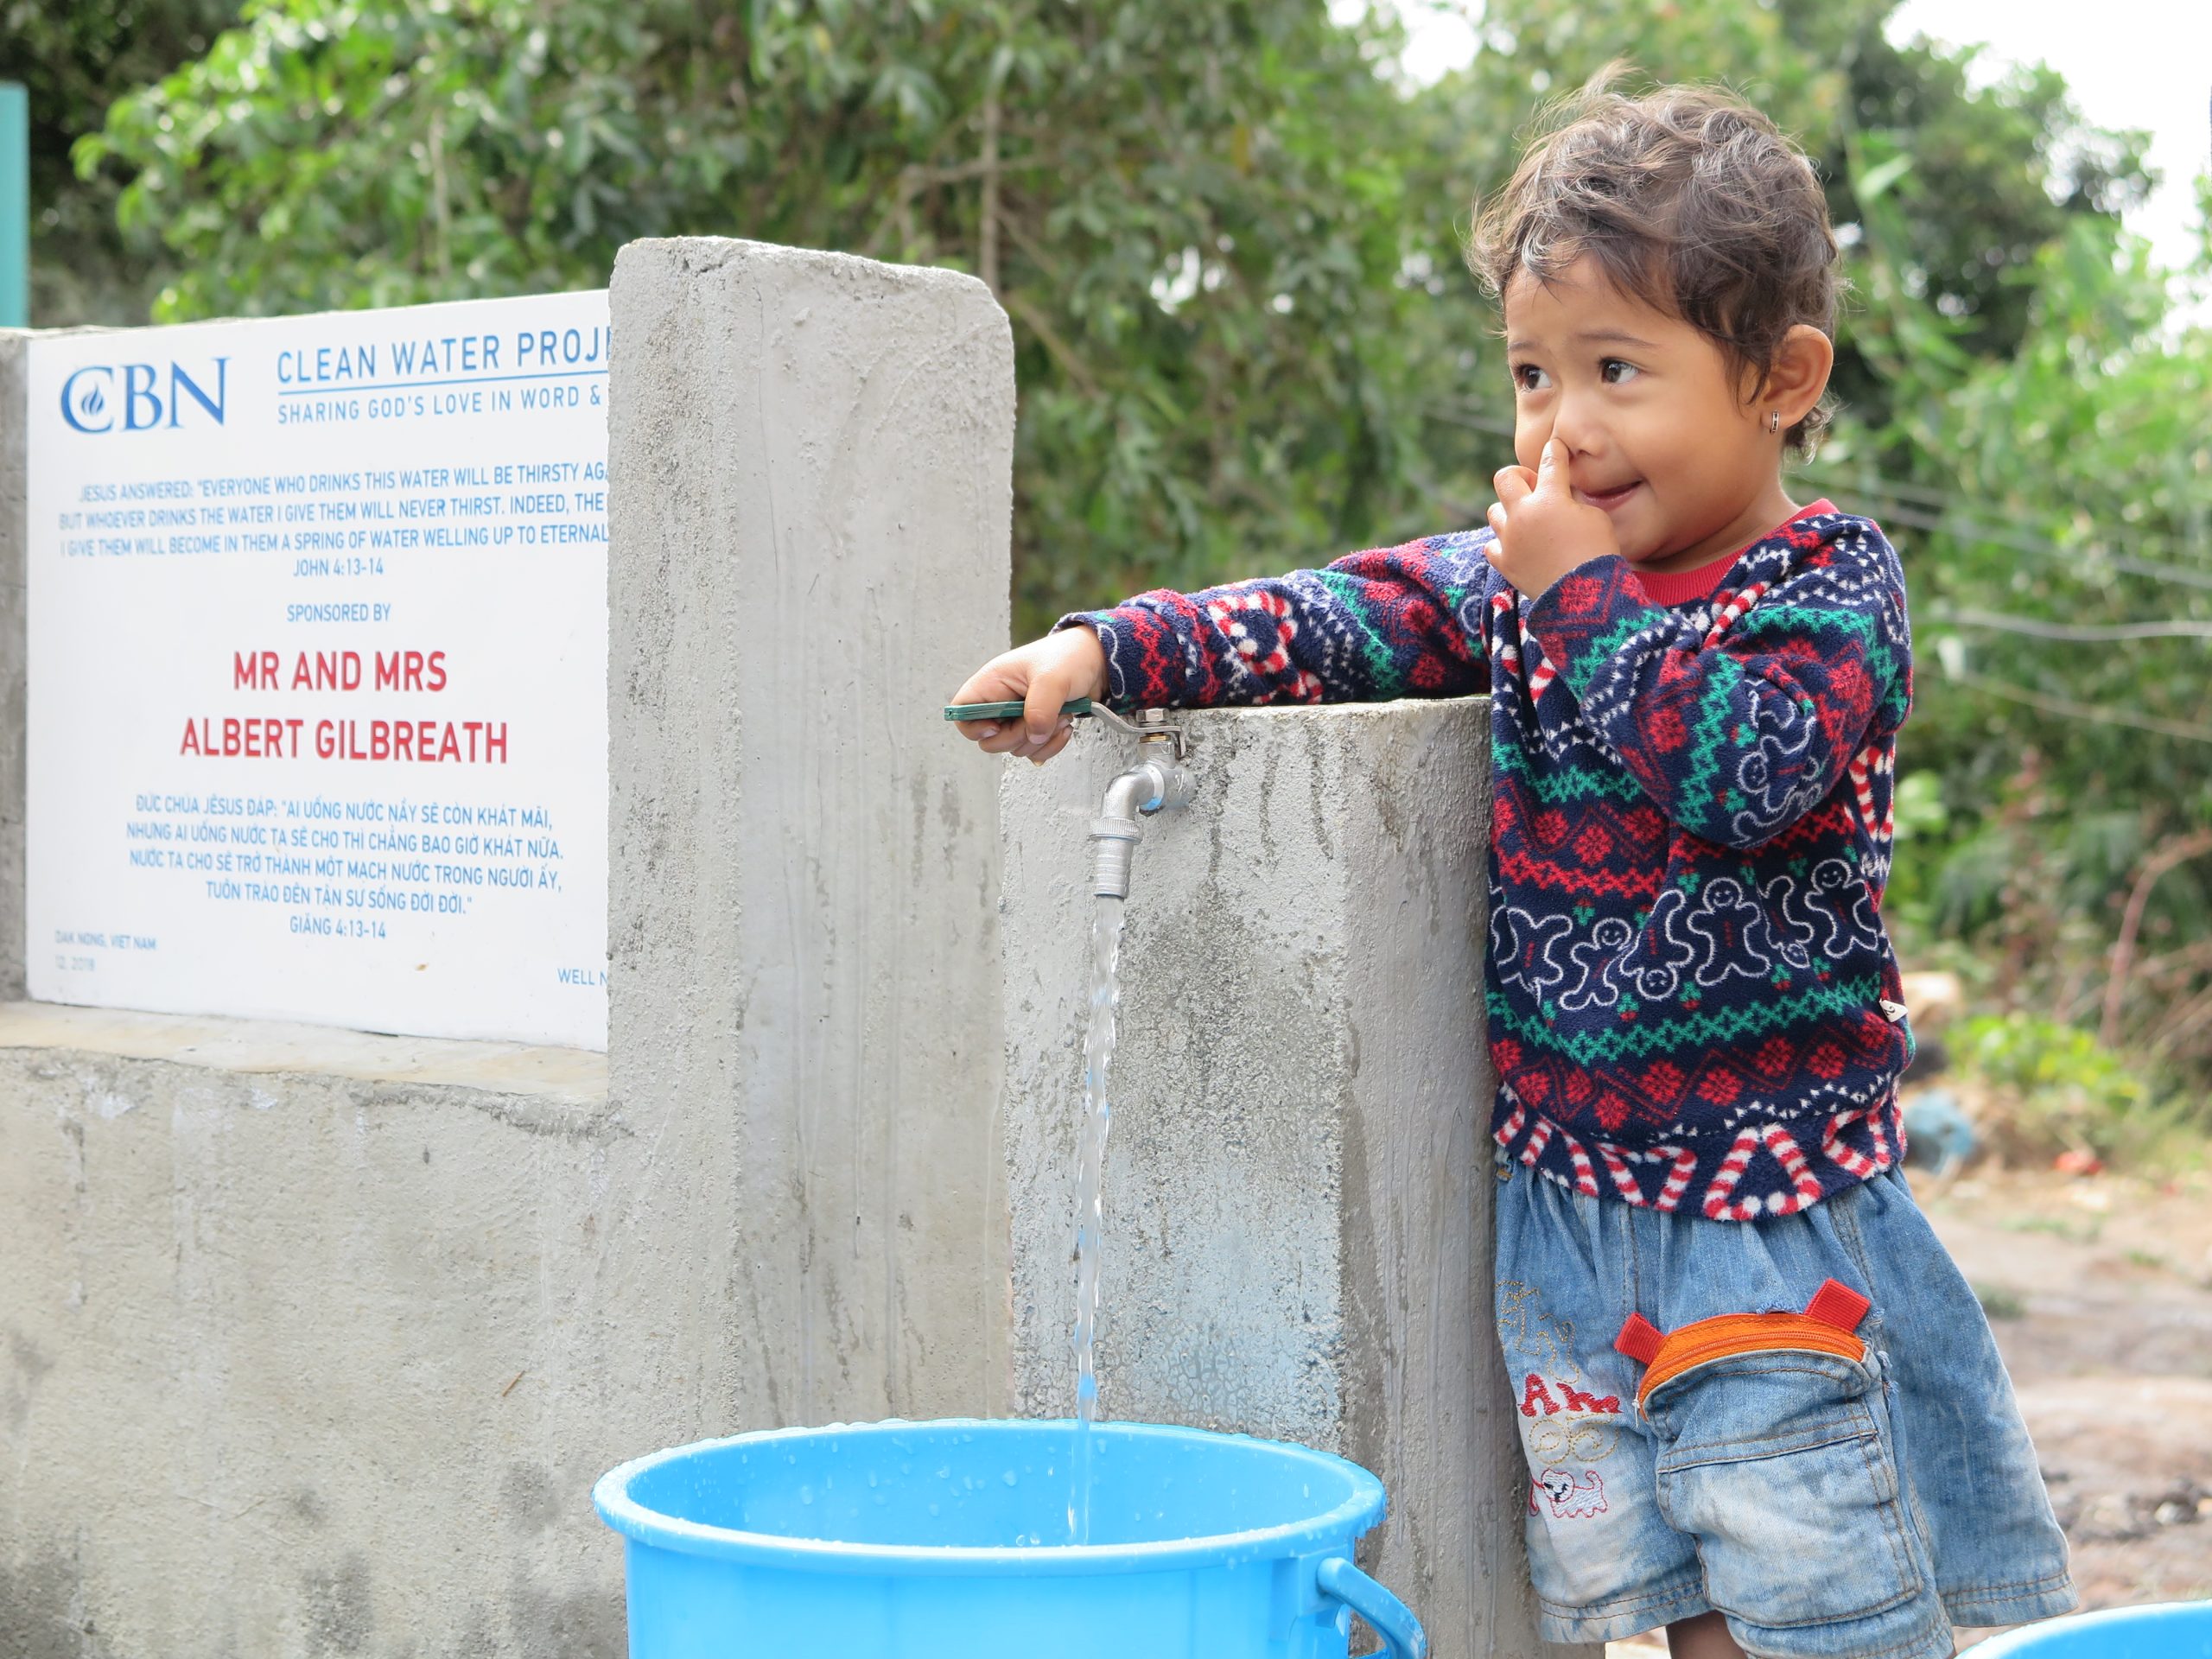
column 1157, row 781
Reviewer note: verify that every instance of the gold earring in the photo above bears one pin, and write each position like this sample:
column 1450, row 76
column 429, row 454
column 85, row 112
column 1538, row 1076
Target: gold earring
column 1774, row 420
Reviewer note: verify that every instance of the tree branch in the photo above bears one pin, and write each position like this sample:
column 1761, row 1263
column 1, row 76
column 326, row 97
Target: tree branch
column 987, row 239
column 1049, row 337
column 2123, row 951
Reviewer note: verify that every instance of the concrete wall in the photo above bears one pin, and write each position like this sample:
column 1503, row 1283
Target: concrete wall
column 311, row 1343
column 1298, row 1180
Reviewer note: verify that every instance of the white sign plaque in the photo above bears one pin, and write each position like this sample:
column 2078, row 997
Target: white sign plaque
column 317, row 637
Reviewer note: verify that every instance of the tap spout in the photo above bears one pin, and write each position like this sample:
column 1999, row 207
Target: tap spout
column 1146, row 788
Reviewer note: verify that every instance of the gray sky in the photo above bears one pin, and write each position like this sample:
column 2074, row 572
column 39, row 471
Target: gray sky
column 2143, row 63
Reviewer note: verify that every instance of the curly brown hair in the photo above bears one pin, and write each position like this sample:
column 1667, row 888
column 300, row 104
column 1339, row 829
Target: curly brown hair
column 1691, row 201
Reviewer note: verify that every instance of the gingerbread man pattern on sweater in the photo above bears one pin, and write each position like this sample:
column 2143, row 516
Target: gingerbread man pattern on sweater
column 1693, row 1001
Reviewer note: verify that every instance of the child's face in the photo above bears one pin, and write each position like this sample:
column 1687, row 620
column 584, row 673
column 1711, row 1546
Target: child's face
column 1657, row 428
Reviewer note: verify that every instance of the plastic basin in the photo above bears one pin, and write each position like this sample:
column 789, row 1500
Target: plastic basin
column 948, row 1541
column 2181, row 1630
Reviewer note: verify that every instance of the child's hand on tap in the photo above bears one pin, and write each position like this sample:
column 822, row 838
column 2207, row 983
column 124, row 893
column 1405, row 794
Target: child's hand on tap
column 1042, row 675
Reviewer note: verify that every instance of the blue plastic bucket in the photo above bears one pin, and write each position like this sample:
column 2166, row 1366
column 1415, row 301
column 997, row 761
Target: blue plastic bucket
column 948, row 1541
column 2180, row 1629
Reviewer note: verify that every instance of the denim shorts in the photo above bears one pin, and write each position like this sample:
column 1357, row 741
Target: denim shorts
column 1848, row 1482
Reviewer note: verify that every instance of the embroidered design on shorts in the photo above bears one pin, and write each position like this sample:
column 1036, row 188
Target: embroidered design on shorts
column 1826, row 1326
column 1566, row 1428
column 1537, row 1397
column 1572, row 1498
column 1527, row 1334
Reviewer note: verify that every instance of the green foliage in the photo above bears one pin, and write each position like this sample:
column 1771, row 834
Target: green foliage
column 1993, row 176
column 1988, row 181
column 73, row 60
column 2044, row 1057
column 1230, row 249
column 2065, row 1090
column 1999, row 1303
column 1200, row 270
column 2054, row 503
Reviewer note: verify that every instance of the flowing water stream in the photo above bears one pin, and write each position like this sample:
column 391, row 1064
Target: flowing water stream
column 1090, row 1215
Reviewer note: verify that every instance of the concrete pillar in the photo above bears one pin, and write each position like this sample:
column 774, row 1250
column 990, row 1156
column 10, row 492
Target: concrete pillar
column 13, row 436
column 1298, row 1181
column 810, row 463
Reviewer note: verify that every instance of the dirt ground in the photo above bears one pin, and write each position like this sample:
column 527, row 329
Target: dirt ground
column 2099, row 1290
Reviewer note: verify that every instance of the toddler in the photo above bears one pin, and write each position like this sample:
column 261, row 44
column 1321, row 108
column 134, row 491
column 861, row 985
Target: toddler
column 1759, row 1404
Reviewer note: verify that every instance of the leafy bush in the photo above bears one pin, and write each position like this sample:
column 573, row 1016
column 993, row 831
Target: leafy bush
column 2055, row 1087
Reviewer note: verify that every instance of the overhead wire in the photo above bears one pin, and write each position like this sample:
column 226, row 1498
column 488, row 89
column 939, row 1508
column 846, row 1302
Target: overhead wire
column 1926, row 507
column 2096, row 713
column 1923, row 507
column 2086, row 633
column 1955, row 522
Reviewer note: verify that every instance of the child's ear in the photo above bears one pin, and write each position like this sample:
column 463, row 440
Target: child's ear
column 1799, row 374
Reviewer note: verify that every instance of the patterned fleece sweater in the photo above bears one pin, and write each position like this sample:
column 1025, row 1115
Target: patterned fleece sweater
column 1693, row 1002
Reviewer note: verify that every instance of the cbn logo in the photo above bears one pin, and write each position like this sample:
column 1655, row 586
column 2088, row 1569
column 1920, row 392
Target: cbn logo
column 95, row 396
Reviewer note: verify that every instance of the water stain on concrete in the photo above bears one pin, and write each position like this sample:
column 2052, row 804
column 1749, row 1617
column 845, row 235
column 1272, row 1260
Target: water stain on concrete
column 337, row 1609
column 30, row 1367
column 581, row 1624
column 477, row 1640
column 43, row 1609
column 527, row 1498
column 32, row 1361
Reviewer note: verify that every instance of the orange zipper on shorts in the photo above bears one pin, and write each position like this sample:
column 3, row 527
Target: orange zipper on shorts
column 1707, row 1340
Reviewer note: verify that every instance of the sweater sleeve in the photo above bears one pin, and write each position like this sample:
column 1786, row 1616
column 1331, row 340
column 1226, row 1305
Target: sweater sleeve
column 1737, row 725
column 1393, row 622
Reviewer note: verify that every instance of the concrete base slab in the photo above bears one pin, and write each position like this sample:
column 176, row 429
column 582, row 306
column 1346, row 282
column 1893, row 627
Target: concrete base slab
column 576, row 1076
column 299, row 1362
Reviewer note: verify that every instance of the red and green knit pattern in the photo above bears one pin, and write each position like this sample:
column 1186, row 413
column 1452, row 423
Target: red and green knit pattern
column 1693, row 1001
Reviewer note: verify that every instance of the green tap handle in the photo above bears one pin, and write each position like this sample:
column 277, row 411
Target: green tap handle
column 1006, row 710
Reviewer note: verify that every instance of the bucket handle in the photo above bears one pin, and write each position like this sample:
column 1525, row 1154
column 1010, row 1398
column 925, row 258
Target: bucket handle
column 1390, row 1618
